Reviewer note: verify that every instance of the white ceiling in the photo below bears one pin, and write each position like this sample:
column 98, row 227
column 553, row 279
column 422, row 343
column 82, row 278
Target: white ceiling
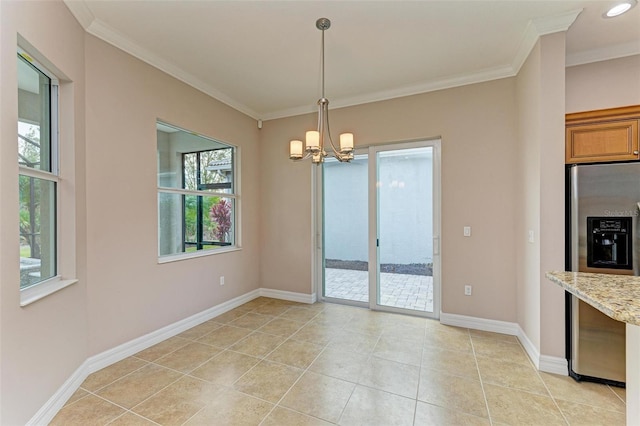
column 263, row 57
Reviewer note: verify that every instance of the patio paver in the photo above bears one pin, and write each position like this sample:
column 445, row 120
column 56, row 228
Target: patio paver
column 398, row 290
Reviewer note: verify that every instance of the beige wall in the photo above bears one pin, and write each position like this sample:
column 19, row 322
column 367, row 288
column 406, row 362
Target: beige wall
column 122, row 292
column 552, row 194
column 528, row 197
column 124, row 98
column 477, row 127
column 502, row 174
column 42, row 344
column 606, row 84
column 540, row 92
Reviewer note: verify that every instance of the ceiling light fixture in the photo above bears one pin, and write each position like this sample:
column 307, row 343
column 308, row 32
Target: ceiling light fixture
column 620, row 8
column 315, row 139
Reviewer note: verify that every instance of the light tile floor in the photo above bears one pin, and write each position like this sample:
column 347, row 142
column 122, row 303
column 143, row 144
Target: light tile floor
column 276, row 363
column 398, row 290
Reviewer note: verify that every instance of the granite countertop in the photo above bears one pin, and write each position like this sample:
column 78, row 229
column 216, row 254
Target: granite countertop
column 618, row 296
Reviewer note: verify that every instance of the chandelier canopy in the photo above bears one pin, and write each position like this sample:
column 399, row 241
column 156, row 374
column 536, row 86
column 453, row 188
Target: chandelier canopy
column 314, row 146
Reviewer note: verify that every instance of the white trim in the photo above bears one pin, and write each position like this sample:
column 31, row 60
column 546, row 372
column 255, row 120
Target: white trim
column 180, row 191
column 554, row 364
column 485, row 75
column 42, row 289
column 47, row 412
column 38, row 174
column 529, row 347
column 97, row 362
column 603, row 54
column 120, row 41
column 374, row 226
column 194, row 255
column 535, row 29
column 39, row 67
column 106, row 358
column 556, row 23
column 81, row 11
column 495, row 326
column 288, row 295
column 546, row 363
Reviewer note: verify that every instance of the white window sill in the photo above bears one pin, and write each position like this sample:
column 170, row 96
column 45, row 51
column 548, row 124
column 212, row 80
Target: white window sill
column 41, row 290
column 200, row 253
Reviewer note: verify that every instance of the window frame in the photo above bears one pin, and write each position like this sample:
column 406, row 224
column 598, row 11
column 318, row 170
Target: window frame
column 41, row 289
column 233, row 195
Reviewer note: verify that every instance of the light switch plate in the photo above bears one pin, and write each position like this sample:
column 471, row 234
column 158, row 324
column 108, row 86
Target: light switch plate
column 466, row 231
column 531, row 239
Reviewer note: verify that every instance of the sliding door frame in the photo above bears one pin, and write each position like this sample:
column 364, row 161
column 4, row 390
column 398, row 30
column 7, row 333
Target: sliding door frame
column 374, row 227
column 373, row 249
column 318, row 213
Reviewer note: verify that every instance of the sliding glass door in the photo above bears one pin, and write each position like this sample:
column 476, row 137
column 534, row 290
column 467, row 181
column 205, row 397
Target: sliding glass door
column 403, row 221
column 380, row 228
column 346, row 234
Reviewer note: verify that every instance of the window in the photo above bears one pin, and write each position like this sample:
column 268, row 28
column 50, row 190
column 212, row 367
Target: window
column 197, row 194
column 38, row 171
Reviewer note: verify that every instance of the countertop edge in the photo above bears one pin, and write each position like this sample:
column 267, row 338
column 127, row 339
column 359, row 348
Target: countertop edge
column 616, row 296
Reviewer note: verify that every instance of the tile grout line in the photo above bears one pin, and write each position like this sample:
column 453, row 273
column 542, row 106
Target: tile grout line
column 484, row 393
column 126, row 410
column 231, row 387
column 424, row 340
column 551, row 396
column 359, row 378
column 277, row 404
column 264, row 357
column 352, row 322
column 133, row 414
column 624, row 401
column 171, row 369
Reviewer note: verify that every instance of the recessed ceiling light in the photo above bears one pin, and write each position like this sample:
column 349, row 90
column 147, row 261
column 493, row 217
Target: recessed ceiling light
column 620, row 8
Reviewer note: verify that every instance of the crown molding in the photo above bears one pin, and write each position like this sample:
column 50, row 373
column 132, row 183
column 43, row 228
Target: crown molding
column 95, row 27
column 604, row 54
column 536, row 28
column 111, row 36
column 556, row 23
column 431, row 86
column 81, row 11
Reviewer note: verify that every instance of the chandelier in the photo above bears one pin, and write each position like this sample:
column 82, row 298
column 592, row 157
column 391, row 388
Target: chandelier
column 315, row 139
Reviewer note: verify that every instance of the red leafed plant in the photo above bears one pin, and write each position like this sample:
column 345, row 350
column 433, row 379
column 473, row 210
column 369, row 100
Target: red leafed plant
column 220, row 213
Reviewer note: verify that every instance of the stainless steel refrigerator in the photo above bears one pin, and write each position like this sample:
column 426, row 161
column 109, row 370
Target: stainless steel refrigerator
column 605, row 211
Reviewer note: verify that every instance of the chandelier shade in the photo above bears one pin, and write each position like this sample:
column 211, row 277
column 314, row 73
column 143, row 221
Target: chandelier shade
column 315, row 144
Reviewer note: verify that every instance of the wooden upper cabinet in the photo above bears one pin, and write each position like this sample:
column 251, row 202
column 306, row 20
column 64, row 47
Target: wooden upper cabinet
column 603, row 135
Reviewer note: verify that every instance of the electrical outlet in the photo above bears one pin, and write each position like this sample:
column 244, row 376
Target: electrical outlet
column 222, row 280
column 467, row 290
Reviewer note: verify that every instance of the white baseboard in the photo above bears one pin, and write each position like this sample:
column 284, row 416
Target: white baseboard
column 111, row 356
column 483, row 324
column 97, row 362
column 554, row 364
column 92, row 364
column 529, row 347
column 47, row 412
column 546, row 363
column 288, row 295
